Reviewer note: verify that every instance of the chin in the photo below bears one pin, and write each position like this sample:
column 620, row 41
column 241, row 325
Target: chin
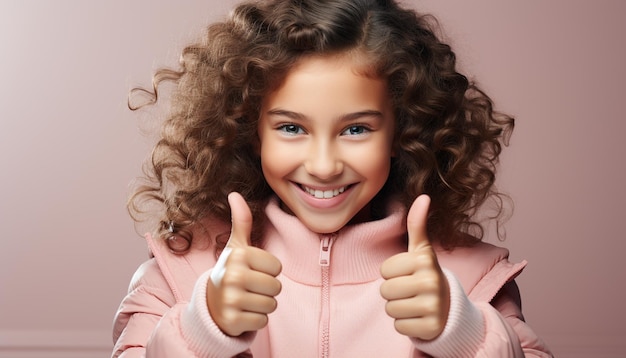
column 325, row 228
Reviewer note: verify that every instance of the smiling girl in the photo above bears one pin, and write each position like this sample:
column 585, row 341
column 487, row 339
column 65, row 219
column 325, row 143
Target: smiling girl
column 326, row 154
column 319, row 173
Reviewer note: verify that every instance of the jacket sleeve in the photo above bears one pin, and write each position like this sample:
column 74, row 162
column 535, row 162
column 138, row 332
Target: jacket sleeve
column 507, row 306
column 481, row 329
column 150, row 323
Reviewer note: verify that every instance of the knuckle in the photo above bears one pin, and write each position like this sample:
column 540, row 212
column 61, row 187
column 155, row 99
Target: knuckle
column 430, row 283
column 238, row 255
column 233, row 276
column 231, row 300
column 432, row 327
column 423, row 259
column 230, row 318
column 430, row 309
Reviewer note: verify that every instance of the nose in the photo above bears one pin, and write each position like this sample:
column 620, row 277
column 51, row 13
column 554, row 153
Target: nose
column 323, row 160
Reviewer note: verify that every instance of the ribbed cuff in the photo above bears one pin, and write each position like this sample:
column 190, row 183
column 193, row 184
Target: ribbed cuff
column 202, row 333
column 465, row 330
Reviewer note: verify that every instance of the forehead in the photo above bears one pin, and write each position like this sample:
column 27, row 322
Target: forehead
column 332, row 80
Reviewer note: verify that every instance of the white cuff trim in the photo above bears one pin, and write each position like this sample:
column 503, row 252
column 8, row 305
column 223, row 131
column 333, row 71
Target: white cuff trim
column 202, row 333
column 465, row 330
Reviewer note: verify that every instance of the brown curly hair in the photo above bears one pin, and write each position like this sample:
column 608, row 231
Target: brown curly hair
column 448, row 136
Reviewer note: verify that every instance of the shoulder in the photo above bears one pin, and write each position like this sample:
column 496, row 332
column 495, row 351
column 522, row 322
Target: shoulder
column 148, row 274
column 180, row 271
column 482, row 269
column 481, row 256
column 148, row 292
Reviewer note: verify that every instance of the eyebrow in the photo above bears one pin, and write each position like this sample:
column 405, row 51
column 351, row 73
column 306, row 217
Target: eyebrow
column 345, row 117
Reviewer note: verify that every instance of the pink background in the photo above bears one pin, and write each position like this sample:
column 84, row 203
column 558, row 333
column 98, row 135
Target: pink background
column 69, row 149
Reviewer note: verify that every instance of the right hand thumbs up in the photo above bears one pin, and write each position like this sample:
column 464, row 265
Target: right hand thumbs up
column 243, row 284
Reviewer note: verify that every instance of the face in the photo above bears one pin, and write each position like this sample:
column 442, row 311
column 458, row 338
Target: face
column 326, row 141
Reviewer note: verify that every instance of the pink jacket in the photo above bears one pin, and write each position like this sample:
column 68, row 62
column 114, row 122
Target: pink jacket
column 332, row 310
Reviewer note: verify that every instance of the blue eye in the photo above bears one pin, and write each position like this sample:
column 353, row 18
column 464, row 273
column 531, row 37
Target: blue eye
column 355, row 130
column 291, row 129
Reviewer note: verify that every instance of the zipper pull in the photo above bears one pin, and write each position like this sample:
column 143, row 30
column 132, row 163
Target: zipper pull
column 325, row 244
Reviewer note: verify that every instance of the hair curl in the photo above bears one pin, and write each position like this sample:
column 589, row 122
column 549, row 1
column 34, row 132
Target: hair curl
column 448, row 136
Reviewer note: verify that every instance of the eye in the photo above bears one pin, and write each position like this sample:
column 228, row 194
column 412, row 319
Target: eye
column 290, row 129
column 355, row 130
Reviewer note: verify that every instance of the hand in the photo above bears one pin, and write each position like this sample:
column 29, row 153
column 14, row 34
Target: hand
column 242, row 296
column 416, row 290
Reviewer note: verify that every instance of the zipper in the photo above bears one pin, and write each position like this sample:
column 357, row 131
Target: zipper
column 326, row 243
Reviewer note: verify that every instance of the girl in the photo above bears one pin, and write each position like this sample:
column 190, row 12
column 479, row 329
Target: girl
column 319, row 175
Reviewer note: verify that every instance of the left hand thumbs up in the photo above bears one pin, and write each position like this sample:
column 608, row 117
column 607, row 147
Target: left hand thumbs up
column 415, row 287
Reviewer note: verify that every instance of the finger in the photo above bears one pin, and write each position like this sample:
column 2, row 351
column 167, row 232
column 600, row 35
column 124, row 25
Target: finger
column 248, row 261
column 402, row 264
column 252, row 321
column 241, row 218
column 398, row 288
column 407, row 263
column 422, row 282
column 263, row 284
column 262, row 261
column 425, row 328
column 238, row 322
column 256, row 303
column 416, row 223
column 415, row 307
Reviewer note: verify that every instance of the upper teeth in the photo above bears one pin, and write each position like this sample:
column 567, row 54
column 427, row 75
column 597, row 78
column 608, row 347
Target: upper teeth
column 324, row 194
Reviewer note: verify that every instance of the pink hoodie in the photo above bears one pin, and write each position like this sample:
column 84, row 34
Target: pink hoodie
column 332, row 310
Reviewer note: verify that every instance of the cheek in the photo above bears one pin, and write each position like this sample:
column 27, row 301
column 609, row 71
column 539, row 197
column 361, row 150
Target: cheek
column 375, row 163
column 379, row 169
column 275, row 160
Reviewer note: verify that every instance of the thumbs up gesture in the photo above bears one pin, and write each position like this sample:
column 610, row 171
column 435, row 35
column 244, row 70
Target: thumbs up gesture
column 416, row 290
column 243, row 284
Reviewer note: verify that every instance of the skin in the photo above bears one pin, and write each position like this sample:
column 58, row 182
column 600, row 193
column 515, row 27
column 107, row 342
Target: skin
column 315, row 131
column 327, row 128
column 415, row 287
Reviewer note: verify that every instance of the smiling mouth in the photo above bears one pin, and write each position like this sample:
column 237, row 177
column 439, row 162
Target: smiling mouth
column 324, row 194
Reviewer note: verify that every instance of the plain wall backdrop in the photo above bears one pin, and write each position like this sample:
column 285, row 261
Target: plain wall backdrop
column 69, row 149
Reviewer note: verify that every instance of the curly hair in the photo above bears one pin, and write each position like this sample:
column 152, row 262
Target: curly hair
column 448, row 136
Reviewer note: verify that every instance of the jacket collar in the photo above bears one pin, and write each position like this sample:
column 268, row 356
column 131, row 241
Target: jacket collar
column 356, row 253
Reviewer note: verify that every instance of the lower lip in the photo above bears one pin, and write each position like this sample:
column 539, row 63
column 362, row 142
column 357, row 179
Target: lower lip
column 318, row 203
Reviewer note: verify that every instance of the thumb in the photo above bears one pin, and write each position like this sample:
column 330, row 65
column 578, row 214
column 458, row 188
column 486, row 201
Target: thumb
column 416, row 223
column 241, row 218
